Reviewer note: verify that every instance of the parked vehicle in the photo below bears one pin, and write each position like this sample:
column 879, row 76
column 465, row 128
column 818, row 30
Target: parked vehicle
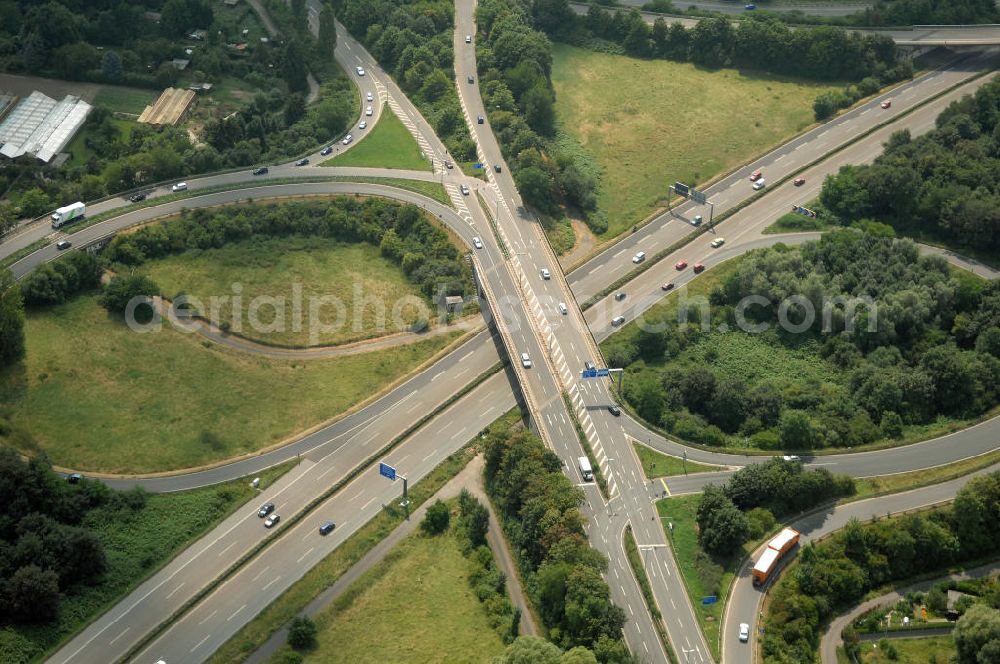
column 67, row 214
column 776, row 548
column 585, row 470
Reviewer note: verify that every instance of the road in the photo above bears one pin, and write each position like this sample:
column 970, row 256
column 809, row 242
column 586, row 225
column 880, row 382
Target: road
column 737, row 6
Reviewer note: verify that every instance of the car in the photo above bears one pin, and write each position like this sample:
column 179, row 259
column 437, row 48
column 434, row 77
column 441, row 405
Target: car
column 759, row 184
column 749, row 8
column 370, row 97
column 347, row 139
column 744, row 632
column 619, row 296
column 756, row 175
column 265, row 509
column 791, row 457
column 368, row 111
column 262, row 170
column 62, row 245
column 468, row 39
column 698, row 267
column 886, row 104
column 271, row 521
column 798, row 182
column 496, row 167
column 680, row 265
column 135, row 198
column 465, row 190
column 74, row 478
column 588, row 365
column 448, row 165
column 480, row 119
column 363, row 124
column 717, row 242
column 617, row 321
column 327, row 528
column 667, row 286
column 361, row 72
column 180, row 186
column 302, row 162
column 525, row 361
column 697, row 220
column 477, row 243
column 471, row 80
column 327, row 150
column 639, row 257
column 545, row 273
column 563, row 309
column 615, row 410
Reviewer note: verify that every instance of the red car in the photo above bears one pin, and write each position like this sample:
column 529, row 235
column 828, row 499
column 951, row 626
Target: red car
column 698, row 267
column 667, row 286
column 681, row 265
column 798, row 182
column 756, row 175
column 887, row 103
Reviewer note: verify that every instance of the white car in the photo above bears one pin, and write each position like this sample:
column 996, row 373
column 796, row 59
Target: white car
column 368, row 111
column 370, row 97
column 468, row 39
column 546, row 274
column 477, row 243
column 363, row 124
column 465, row 190
column 639, row 257
column 525, row 361
column 562, row 308
column 718, row 242
column 744, row 632
column 759, row 184
column 361, row 72
column 697, row 220
column 791, row 457
column 180, row 186
column 347, row 139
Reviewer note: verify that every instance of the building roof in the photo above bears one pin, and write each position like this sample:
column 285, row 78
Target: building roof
column 180, row 64
column 169, row 108
column 41, row 126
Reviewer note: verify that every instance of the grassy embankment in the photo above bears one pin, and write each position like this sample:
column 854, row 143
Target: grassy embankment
column 387, row 145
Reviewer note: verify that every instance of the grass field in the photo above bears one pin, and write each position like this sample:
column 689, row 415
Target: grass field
column 423, row 585
column 355, row 274
column 388, row 145
column 136, row 544
column 652, row 122
column 925, row 650
column 656, row 464
column 124, row 100
column 97, row 396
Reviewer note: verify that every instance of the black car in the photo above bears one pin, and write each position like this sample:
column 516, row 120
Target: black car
column 614, row 410
column 135, row 198
column 327, row 528
column 265, row 509
column 588, row 365
column 619, row 296
column 496, row 167
column 480, row 119
column 74, row 478
column 302, row 162
column 259, row 171
column 472, row 80
column 63, row 244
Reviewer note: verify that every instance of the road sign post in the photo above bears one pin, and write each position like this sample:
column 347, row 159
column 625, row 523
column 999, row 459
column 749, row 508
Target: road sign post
column 387, row 471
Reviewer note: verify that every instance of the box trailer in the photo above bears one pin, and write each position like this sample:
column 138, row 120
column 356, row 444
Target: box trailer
column 779, row 545
column 67, row 214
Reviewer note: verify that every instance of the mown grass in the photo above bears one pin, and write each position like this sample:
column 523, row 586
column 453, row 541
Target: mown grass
column 97, row 396
column 388, row 145
column 324, row 574
column 909, row 651
column 136, row 545
column 415, row 606
column 649, row 123
column 124, row 100
column 656, row 464
column 355, row 274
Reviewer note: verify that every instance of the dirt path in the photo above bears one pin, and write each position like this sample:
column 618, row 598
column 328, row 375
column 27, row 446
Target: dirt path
column 471, row 478
column 585, row 242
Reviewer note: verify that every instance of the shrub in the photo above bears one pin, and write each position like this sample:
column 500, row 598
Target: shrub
column 302, row 633
column 437, row 519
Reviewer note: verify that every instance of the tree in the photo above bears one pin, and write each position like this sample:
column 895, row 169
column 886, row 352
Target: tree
column 475, row 518
column 293, row 67
column 796, row 430
column 111, row 66
column 302, row 633
column 722, row 527
column 536, row 186
column 539, row 108
column 122, row 290
column 437, row 519
column 11, row 320
column 32, row 595
column 34, row 202
column 530, row 650
column 977, row 635
column 327, row 30
column 578, row 655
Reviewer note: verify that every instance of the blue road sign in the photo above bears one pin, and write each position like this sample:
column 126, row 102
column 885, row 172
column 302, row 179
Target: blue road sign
column 601, row 373
column 589, row 373
column 711, row 599
column 385, row 470
column 477, row 165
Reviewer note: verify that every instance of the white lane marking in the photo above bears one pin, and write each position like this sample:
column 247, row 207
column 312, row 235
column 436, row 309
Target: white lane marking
column 198, row 645
column 365, row 506
column 235, row 612
column 112, row 642
column 260, row 574
column 209, row 617
column 304, row 555
column 178, row 588
column 270, row 583
column 231, row 545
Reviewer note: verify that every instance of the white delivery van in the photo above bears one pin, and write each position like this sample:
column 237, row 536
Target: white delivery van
column 585, row 469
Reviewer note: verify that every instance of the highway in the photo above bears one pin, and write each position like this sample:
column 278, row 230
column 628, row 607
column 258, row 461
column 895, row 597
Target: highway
column 539, row 382
column 737, row 6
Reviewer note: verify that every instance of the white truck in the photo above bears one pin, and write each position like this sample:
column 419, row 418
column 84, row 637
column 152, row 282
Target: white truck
column 67, row 214
column 585, row 469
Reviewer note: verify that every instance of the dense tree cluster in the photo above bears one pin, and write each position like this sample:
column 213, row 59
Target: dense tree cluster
column 45, row 548
column 923, row 344
column 928, row 12
column 401, row 231
column 977, row 635
column 536, row 650
column 11, row 320
column 838, row 572
column 778, row 487
column 944, row 184
column 55, row 282
column 540, row 512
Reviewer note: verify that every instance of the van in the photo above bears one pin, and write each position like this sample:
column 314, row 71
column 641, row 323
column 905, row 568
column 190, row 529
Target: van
column 562, row 308
column 585, row 470
column 759, row 184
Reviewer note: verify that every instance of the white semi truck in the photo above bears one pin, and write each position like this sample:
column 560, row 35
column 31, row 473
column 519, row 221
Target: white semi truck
column 67, row 214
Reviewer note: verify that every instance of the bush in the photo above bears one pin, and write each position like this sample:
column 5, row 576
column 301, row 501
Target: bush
column 124, row 291
column 437, row 519
column 302, row 633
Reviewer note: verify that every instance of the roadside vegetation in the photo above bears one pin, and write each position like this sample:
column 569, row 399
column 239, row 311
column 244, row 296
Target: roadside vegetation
column 923, row 355
column 916, row 650
column 835, row 574
column 656, row 464
column 388, row 145
column 73, row 550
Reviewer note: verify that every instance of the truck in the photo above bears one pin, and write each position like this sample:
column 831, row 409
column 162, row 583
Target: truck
column 67, row 214
column 781, row 544
column 585, row 469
